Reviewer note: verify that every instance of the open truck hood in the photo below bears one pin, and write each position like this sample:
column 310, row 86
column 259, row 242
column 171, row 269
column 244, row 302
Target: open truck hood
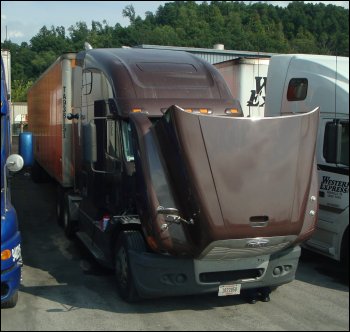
column 242, row 184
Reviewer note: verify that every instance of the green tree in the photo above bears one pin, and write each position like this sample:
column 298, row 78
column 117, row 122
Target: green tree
column 78, row 34
column 42, row 61
column 50, row 40
column 129, row 12
column 162, row 35
column 20, row 90
column 304, row 42
column 298, row 28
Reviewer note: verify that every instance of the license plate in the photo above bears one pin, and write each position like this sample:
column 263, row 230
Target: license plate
column 225, row 290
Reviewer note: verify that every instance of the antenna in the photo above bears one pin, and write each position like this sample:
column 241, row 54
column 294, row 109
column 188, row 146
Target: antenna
column 259, row 78
column 336, row 121
column 335, row 85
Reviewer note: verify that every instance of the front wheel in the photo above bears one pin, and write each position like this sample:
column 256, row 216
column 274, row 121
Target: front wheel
column 38, row 174
column 59, row 204
column 69, row 225
column 10, row 303
column 128, row 240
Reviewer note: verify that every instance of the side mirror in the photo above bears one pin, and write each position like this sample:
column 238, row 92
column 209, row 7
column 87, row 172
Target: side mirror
column 14, row 162
column 112, row 106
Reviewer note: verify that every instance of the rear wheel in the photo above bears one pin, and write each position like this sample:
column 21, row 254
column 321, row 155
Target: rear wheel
column 59, row 204
column 69, row 225
column 10, row 303
column 128, row 240
column 38, row 174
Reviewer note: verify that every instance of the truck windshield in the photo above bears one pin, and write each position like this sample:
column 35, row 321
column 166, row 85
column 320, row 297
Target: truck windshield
column 127, row 141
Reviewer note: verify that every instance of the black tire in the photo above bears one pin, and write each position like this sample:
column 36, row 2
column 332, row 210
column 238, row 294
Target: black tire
column 59, row 204
column 38, row 174
column 128, row 240
column 10, row 303
column 69, row 225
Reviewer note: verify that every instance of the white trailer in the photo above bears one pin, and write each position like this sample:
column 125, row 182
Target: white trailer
column 6, row 57
column 296, row 83
column 246, row 79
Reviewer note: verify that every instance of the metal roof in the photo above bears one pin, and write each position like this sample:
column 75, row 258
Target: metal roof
column 210, row 54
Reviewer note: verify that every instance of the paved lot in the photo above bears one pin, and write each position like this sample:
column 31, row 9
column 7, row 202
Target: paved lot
column 63, row 288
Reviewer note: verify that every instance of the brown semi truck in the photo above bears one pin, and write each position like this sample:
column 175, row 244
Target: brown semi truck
column 163, row 179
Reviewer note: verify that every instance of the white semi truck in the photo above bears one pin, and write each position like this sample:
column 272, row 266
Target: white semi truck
column 296, row 83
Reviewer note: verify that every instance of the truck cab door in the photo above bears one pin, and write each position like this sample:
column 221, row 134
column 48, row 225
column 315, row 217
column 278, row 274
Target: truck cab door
column 102, row 169
column 333, row 174
column 107, row 182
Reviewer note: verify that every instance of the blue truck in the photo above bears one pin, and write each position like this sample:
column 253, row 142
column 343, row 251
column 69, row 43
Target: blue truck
column 11, row 259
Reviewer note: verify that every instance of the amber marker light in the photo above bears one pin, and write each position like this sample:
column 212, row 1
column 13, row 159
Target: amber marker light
column 231, row 111
column 204, row 111
column 136, row 110
column 5, row 254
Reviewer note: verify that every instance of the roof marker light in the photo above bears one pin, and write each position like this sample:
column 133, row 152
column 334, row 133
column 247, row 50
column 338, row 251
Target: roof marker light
column 231, row 111
column 205, row 111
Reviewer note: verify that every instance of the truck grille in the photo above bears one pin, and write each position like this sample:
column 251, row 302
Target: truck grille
column 229, row 253
column 230, row 275
column 239, row 248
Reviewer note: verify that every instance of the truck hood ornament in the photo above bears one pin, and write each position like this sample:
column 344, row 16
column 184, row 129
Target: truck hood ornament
column 257, row 243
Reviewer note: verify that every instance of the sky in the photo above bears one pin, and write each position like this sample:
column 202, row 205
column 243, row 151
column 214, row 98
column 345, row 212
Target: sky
column 22, row 20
